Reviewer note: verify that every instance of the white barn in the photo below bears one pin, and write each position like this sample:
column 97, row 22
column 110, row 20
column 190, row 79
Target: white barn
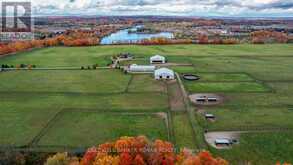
column 141, row 68
column 164, row 73
column 157, row 59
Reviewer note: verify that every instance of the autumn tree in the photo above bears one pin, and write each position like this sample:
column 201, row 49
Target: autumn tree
column 141, row 151
column 203, row 39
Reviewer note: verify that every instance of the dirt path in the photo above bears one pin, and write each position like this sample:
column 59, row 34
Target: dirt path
column 176, row 101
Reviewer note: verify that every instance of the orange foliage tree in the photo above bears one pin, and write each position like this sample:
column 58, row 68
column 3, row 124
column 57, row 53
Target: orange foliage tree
column 265, row 36
column 140, row 151
column 203, row 39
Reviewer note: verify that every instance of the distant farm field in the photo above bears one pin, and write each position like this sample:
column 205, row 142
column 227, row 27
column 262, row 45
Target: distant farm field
column 55, row 109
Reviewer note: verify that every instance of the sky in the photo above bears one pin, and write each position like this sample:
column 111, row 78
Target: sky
column 226, row 8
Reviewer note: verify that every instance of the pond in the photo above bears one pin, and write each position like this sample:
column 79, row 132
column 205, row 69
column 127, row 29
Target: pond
column 123, row 36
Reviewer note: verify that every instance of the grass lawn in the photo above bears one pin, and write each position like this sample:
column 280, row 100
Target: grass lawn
column 224, row 77
column 183, row 131
column 141, row 102
column 261, row 148
column 19, row 127
column 60, row 57
column 250, row 118
column 262, row 68
column 86, row 129
column 214, row 87
column 183, row 69
column 74, row 81
column 146, row 83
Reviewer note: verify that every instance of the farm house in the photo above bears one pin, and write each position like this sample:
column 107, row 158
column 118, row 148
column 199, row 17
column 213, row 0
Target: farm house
column 157, row 59
column 141, row 68
column 164, row 73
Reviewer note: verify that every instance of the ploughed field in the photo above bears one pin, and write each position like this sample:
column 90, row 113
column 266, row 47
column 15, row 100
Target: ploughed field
column 53, row 110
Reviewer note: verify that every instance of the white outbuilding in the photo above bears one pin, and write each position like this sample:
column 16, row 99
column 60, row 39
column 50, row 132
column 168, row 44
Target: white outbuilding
column 157, row 59
column 164, row 73
column 141, row 68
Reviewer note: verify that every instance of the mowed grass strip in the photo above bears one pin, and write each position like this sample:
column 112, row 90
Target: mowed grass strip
column 183, row 131
column 80, row 129
column 195, row 87
column 19, row 127
column 250, row 118
column 146, row 83
column 261, row 148
column 79, row 81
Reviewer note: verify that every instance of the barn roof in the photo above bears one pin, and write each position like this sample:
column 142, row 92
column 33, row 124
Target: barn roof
column 157, row 57
column 164, row 70
column 222, row 141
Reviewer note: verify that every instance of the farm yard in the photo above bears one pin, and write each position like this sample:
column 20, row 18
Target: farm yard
column 53, row 110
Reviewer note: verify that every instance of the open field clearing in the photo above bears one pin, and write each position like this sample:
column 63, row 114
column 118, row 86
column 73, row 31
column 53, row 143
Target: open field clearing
column 19, row 127
column 146, row 83
column 183, row 130
column 224, row 77
column 81, row 129
column 114, row 102
column 183, row 69
column 262, row 68
column 218, row 87
column 261, row 148
column 94, row 81
column 94, row 106
column 250, row 118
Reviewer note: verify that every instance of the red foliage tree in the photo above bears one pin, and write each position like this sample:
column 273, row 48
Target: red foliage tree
column 140, row 151
column 203, row 39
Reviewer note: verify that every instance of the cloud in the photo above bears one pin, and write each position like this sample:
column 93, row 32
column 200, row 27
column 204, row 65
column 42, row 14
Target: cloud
column 166, row 7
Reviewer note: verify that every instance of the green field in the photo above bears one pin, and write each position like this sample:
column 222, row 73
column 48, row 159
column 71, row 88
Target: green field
column 251, row 118
column 146, row 83
column 80, row 108
column 73, row 81
column 219, row 87
column 92, row 128
column 261, row 148
column 183, row 130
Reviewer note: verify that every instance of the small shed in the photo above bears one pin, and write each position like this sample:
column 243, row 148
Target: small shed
column 210, row 116
column 201, row 99
column 212, row 99
column 222, row 142
column 164, row 73
column 157, row 59
column 141, row 68
column 125, row 56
